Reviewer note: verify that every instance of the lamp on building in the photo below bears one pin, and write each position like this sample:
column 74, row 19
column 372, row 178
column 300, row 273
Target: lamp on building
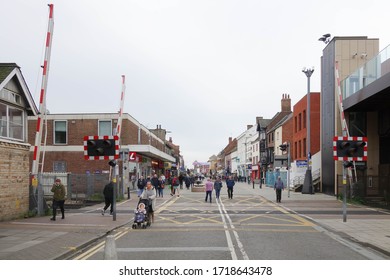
column 325, row 38
column 308, row 182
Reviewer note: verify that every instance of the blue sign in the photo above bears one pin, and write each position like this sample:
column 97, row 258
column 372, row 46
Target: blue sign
column 249, row 166
column 301, row 163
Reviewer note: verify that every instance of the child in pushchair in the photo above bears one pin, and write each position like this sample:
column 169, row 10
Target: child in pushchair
column 141, row 216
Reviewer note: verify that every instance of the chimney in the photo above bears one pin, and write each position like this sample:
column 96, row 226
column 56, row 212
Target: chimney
column 230, row 140
column 170, row 139
column 286, row 103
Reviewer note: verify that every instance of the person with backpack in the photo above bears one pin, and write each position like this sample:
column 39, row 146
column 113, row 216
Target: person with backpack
column 175, row 186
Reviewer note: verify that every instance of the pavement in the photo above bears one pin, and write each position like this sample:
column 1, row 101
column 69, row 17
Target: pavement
column 38, row 238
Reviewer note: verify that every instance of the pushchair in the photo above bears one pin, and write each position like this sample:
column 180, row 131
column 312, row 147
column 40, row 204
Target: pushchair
column 142, row 214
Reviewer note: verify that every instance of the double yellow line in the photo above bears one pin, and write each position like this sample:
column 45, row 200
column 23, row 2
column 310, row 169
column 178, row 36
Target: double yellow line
column 91, row 251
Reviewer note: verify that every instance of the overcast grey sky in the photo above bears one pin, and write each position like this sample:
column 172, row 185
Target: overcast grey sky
column 202, row 69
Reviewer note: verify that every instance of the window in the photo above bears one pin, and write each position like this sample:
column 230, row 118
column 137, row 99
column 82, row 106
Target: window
column 11, row 122
column 304, row 119
column 59, row 166
column 304, row 147
column 10, row 96
column 105, row 128
column 60, row 132
column 296, row 150
column 296, row 124
column 299, row 122
column 299, row 149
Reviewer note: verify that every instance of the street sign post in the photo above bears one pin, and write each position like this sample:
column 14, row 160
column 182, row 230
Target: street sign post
column 348, row 149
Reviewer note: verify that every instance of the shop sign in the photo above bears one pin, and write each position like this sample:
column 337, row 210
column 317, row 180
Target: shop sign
column 301, row 163
column 132, row 156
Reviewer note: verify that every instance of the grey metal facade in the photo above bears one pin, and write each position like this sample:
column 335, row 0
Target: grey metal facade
column 327, row 118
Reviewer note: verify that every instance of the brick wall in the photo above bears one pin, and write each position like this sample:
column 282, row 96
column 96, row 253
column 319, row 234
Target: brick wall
column 287, row 135
column 300, row 131
column 14, row 180
column 77, row 128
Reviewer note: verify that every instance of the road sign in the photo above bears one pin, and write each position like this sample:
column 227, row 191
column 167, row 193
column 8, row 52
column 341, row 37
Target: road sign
column 301, row 163
column 350, row 148
column 101, row 147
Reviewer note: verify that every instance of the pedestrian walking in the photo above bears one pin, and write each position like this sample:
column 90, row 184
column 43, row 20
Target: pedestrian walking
column 217, row 187
column 181, row 180
column 278, row 187
column 230, row 184
column 187, row 182
column 155, row 183
column 133, row 181
column 58, row 190
column 209, row 189
column 141, row 185
column 175, row 186
column 108, row 193
column 150, row 193
column 162, row 186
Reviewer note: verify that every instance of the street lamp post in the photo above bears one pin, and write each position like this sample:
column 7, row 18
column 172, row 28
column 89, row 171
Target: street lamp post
column 308, row 182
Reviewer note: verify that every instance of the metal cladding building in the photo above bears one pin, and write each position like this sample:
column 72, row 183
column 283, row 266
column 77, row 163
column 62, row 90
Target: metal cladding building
column 365, row 87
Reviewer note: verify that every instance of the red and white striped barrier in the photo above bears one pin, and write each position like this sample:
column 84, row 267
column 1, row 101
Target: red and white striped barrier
column 42, row 99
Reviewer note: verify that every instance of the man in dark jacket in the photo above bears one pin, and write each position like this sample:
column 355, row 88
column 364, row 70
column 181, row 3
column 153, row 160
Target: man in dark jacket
column 155, row 183
column 230, row 184
column 108, row 197
column 59, row 192
column 141, row 185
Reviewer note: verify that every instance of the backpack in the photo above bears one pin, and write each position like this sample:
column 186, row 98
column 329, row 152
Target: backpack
column 175, row 182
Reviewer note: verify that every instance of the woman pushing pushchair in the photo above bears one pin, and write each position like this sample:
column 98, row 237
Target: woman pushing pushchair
column 149, row 194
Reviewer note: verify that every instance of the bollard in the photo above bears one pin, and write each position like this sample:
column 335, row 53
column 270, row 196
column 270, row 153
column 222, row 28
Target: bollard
column 110, row 248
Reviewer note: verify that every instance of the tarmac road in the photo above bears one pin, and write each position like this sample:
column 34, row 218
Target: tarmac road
column 248, row 227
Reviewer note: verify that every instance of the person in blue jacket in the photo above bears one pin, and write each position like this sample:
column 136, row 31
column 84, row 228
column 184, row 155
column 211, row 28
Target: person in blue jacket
column 230, row 184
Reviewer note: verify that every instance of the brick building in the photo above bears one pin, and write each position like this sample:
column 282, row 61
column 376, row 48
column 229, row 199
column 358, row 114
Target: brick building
column 298, row 149
column 16, row 103
column 276, row 122
column 143, row 151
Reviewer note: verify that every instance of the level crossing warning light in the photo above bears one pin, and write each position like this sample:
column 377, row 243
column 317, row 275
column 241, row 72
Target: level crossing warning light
column 350, row 148
column 101, row 147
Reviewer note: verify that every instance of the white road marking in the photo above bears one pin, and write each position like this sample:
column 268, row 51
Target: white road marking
column 223, row 212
